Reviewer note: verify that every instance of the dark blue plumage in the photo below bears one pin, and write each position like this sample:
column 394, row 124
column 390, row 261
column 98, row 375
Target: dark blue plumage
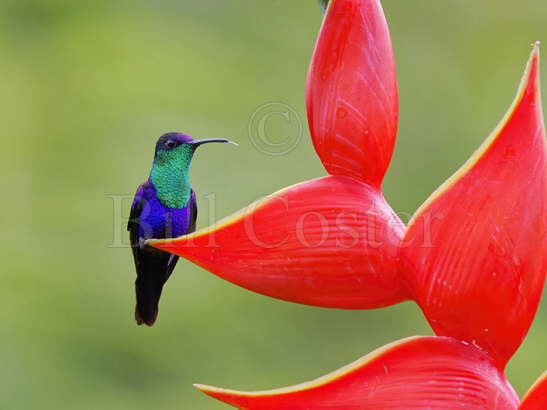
column 157, row 219
column 164, row 207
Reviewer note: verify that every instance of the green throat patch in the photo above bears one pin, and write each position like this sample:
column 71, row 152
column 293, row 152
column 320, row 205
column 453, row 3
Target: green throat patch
column 170, row 176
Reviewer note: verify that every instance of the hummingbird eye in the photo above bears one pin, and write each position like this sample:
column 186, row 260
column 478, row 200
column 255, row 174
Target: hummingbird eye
column 170, row 144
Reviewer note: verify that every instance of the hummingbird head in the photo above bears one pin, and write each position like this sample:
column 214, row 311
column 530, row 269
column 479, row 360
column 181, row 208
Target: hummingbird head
column 174, row 145
column 170, row 169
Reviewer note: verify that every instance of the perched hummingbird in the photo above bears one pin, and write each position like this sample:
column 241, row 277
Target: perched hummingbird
column 164, row 207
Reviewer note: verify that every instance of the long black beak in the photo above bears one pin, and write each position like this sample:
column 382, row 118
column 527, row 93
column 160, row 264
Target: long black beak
column 197, row 143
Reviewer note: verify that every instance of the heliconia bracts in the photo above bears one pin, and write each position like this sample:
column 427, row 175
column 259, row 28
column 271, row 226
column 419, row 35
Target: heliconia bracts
column 473, row 257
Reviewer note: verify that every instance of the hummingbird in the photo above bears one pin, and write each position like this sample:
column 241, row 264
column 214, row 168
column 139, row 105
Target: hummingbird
column 164, row 207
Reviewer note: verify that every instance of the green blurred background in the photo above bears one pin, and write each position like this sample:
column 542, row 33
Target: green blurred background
column 87, row 87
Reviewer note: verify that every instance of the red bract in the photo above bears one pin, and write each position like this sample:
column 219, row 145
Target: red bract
column 415, row 373
column 329, row 242
column 474, row 257
column 477, row 249
column 352, row 92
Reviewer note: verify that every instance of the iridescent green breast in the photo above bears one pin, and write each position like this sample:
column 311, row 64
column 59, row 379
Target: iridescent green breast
column 170, row 176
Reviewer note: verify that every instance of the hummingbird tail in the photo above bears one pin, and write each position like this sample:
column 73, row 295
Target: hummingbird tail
column 150, row 319
column 149, row 285
column 148, row 297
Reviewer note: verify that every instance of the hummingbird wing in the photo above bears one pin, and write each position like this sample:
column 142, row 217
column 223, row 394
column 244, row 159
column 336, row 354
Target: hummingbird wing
column 134, row 222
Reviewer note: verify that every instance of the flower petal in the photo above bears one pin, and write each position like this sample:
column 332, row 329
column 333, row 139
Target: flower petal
column 414, row 373
column 352, row 91
column 329, row 242
column 536, row 397
column 476, row 251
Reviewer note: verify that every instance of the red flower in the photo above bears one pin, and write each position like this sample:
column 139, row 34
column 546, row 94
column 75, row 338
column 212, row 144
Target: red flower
column 474, row 257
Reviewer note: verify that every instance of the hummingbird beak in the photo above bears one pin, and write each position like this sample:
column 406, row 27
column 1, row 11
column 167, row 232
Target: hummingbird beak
column 197, row 143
